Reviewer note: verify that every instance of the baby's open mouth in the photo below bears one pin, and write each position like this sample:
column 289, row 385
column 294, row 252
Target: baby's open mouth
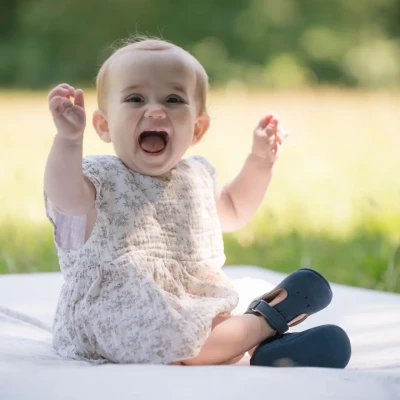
column 153, row 142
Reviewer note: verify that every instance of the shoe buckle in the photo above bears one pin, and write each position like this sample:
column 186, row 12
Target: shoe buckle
column 254, row 308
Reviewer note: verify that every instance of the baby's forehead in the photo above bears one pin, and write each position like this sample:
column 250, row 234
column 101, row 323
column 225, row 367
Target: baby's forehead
column 138, row 63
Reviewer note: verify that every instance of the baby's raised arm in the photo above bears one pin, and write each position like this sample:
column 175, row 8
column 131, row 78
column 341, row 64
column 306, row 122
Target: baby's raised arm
column 64, row 182
column 238, row 200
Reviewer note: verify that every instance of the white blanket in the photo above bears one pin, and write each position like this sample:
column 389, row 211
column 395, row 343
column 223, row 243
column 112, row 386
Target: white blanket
column 29, row 368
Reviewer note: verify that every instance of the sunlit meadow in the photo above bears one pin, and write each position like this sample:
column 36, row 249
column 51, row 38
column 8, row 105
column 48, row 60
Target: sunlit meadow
column 333, row 205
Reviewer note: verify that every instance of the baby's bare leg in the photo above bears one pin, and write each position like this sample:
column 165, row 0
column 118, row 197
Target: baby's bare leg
column 217, row 320
column 233, row 360
column 231, row 338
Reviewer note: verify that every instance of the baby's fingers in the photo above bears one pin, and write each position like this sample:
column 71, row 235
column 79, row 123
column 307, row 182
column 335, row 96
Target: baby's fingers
column 58, row 105
column 79, row 99
column 61, row 90
column 265, row 121
column 272, row 127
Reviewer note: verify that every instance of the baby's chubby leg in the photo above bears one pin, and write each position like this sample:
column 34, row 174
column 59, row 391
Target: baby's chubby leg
column 217, row 320
column 231, row 337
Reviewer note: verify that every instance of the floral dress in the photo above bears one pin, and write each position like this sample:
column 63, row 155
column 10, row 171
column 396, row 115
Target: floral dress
column 146, row 285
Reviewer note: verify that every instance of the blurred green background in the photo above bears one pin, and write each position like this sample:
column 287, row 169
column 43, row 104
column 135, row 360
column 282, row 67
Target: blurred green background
column 330, row 70
column 271, row 43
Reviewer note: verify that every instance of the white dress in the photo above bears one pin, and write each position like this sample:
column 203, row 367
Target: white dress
column 147, row 284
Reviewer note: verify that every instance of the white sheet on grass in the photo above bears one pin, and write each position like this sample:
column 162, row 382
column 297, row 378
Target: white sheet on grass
column 29, row 368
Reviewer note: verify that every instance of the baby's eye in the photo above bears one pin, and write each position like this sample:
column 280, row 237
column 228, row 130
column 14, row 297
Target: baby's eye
column 174, row 99
column 135, row 99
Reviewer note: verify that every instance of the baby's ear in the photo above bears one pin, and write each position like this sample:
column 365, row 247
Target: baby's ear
column 200, row 128
column 100, row 124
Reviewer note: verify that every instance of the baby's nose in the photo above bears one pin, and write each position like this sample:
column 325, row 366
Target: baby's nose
column 155, row 112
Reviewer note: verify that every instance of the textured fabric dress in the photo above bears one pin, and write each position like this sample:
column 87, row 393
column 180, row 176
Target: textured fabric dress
column 147, row 284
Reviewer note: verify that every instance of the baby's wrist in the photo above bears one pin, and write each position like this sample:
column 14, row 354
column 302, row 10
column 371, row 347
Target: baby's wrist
column 261, row 161
column 65, row 139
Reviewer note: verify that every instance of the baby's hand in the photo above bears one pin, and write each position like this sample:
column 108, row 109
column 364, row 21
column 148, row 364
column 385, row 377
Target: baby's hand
column 69, row 118
column 267, row 139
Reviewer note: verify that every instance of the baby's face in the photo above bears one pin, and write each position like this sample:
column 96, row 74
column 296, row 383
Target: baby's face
column 151, row 109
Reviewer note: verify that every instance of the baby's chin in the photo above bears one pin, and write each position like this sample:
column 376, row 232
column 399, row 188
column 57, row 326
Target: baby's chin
column 151, row 169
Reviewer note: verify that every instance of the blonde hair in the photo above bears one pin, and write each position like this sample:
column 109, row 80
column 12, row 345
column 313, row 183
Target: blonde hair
column 142, row 42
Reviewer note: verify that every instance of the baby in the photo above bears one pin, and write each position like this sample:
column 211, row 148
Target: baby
column 139, row 235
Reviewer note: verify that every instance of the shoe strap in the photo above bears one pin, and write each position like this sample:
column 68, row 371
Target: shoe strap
column 273, row 317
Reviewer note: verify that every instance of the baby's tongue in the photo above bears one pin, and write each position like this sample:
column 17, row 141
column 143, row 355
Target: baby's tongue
column 152, row 143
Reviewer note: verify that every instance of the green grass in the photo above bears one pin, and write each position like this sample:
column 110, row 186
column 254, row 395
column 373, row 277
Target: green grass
column 27, row 247
column 333, row 205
